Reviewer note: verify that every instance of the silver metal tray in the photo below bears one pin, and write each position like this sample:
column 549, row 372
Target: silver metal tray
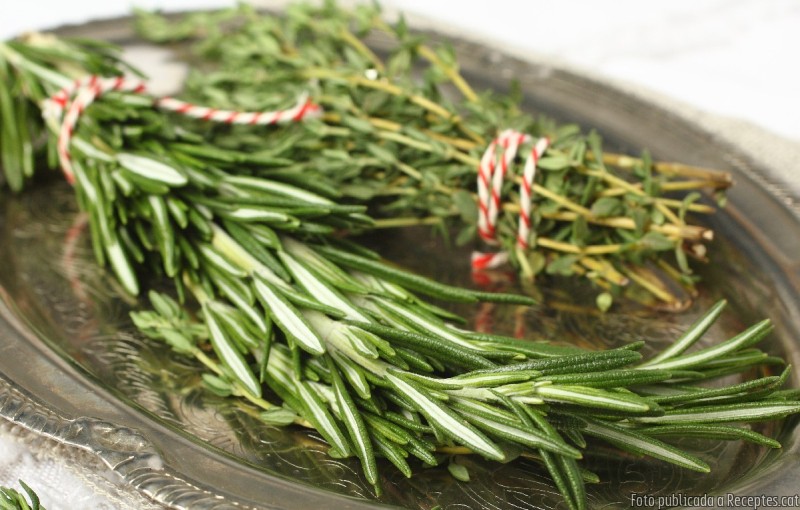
column 73, row 368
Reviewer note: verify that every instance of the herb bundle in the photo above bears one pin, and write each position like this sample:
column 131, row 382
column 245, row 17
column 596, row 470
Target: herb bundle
column 404, row 132
column 317, row 330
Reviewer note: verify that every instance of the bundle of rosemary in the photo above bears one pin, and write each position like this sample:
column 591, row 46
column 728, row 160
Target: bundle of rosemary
column 317, row 330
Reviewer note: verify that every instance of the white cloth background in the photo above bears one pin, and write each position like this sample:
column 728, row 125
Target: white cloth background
column 732, row 58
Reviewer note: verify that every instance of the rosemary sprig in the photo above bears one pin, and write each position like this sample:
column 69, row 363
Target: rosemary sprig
column 31, row 70
column 368, row 401
column 11, row 499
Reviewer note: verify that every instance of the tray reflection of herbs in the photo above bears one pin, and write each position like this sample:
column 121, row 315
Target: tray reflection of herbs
column 315, row 330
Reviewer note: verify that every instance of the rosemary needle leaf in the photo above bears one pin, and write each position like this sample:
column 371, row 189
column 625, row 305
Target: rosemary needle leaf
column 636, row 442
column 577, row 489
column 354, row 375
column 694, row 333
column 447, row 422
column 279, row 416
column 287, row 317
column 355, row 426
column 611, row 378
column 34, row 498
column 322, row 420
column 490, row 380
column 229, row 354
column 314, row 286
column 394, row 453
column 574, row 363
column 713, row 432
column 593, row 397
column 452, row 353
column 743, row 340
column 559, row 478
column 741, row 412
column 416, row 282
column 699, row 395
column 153, row 170
column 526, row 436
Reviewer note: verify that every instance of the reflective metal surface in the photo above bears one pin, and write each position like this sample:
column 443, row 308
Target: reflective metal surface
column 72, row 366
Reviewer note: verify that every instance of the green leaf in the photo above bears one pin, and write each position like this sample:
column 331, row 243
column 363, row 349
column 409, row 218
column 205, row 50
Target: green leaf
column 740, row 412
column 604, row 301
column 416, row 282
column 279, row 188
column 656, row 241
column 314, row 286
column 715, row 432
column 395, row 454
column 279, row 416
column 287, row 317
column 580, row 231
column 165, row 234
column 490, row 380
column 322, row 419
column 745, row 339
column 604, row 207
column 229, row 354
column 323, row 267
column 690, row 336
column 447, row 422
column 217, row 385
column 554, row 162
column 458, row 471
column 518, row 433
column 636, row 442
column 34, row 498
column 218, row 260
column 466, row 206
column 562, row 265
column 355, row 426
column 611, row 378
column 152, row 170
column 234, row 324
column 11, row 151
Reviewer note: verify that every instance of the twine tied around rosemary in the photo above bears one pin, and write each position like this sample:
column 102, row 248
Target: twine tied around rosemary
column 75, row 98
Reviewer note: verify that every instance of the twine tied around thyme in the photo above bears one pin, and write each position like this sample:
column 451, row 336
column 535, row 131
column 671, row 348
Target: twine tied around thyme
column 493, row 169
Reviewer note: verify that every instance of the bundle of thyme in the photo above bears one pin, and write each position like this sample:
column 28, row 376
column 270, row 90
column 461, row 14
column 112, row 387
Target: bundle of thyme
column 404, row 132
column 317, row 330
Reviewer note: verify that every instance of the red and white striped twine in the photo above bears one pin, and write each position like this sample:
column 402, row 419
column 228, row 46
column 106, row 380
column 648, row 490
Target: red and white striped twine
column 86, row 90
column 491, row 174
